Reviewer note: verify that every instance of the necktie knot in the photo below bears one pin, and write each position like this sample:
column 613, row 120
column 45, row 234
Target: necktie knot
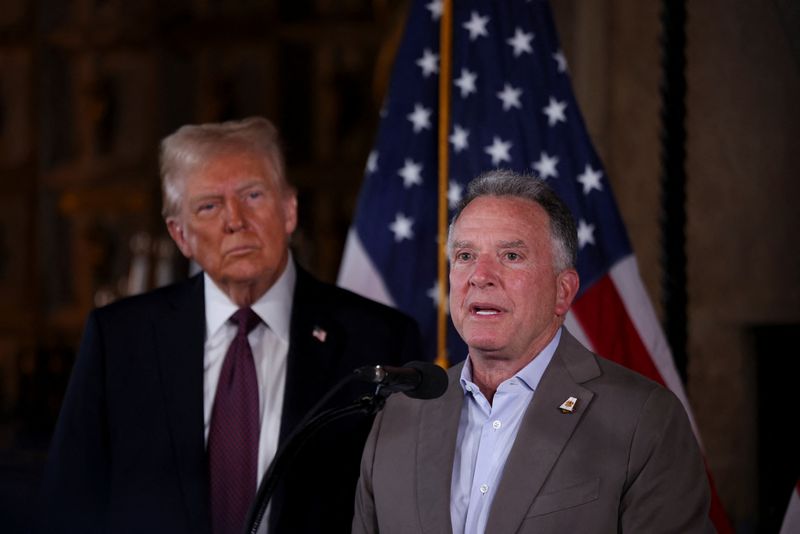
column 245, row 319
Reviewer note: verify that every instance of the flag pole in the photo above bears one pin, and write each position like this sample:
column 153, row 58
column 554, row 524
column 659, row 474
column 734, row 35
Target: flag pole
column 445, row 57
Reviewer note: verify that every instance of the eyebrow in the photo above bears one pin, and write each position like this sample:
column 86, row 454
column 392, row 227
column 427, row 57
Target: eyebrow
column 214, row 195
column 517, row 243
column 204, row 198
column 250, row 185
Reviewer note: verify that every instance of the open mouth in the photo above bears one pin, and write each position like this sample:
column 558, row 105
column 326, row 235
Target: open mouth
column 484, row 310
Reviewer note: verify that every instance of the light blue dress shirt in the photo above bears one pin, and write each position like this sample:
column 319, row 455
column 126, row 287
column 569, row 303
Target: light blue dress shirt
column 486, row 433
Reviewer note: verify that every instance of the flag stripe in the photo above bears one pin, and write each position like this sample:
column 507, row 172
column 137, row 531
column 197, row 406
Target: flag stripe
column 791, row 520
column 611, row 331
column 358, row 273
column 640, row 311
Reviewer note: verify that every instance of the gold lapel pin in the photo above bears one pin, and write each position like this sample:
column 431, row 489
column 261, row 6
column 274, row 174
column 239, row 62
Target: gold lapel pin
column 569, row 405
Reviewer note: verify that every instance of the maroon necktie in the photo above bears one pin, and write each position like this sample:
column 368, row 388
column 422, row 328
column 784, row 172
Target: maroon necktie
column 234, row 432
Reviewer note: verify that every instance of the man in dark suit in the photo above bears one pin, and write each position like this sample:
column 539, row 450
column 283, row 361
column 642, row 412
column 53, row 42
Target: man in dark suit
column 535, row 434
column 173, row 412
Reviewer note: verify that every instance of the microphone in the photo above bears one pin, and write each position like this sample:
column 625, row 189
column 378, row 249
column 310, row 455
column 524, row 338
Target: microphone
column 418, row 380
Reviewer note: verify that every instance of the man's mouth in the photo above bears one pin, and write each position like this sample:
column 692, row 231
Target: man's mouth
column 484, row 310
column 240, row 250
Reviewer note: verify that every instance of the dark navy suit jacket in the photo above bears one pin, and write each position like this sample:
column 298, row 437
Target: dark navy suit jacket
column 128, row 453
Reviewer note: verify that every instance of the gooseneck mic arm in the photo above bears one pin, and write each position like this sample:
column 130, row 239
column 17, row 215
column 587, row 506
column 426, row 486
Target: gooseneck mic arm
column 420, row 380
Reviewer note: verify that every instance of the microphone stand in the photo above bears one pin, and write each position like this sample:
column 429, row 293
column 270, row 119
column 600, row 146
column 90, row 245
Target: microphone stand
column 367, row 404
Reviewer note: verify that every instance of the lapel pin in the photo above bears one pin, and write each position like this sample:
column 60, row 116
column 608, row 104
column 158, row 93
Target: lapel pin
column 569, row 405
column 320, row 334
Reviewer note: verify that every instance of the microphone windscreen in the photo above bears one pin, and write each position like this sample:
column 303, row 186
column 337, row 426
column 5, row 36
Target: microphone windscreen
column 433, row 383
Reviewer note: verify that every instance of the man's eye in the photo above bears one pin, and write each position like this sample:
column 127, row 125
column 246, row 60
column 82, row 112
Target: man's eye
column 255, row 194
column 513, row 256
column 205, row 207
column 463, row 256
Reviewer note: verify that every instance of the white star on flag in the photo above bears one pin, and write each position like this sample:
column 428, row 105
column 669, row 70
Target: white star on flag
column 585, row 234
column 510, row 97
column 466, row 83
column 477, row 26
column 590, row 179
column 555, row 111
column 459, row 138
column 411, row 173
column 372, row 162
column 433, row 293
column 401, row 227
column 454, row 194
column 429, row 63
column 499, row 150
column 561, row 61
column 421, row 118
column 546, row 166
column 435, row 7
column 521, row 42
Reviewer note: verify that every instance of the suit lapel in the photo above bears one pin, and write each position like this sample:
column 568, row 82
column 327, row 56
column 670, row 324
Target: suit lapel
column 179, row 334
column 543, row 433
column 315, row 345
column 438, row 430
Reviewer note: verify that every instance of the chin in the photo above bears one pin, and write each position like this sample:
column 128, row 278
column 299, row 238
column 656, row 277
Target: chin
column 245, row 274
column 483, row 344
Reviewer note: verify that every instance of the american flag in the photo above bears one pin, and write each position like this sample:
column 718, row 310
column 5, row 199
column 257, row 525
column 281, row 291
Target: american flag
column 512, row 107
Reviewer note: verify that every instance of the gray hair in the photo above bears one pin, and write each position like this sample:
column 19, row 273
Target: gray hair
column 503, row 183
column 192, row 146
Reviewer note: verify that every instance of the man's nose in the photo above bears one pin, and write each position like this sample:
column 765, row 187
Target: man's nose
column 234, row 217
column 484, row 273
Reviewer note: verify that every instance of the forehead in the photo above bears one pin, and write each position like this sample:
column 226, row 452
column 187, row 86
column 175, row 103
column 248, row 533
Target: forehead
column 230, row 167
column 516, row 218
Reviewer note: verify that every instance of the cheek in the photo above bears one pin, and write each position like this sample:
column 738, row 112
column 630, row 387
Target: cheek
column 456, row 282
column 458, row 276
column 202, row 240
column 455, row 296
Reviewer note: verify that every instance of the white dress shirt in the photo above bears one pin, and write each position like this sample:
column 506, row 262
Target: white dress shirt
column 269, row 342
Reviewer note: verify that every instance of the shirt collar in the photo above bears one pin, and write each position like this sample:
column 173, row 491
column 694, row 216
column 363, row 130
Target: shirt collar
column 530, row 375
column 274, row 307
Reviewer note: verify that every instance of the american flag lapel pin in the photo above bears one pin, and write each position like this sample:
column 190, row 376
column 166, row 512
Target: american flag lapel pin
column 568, row 406
column 320, row 334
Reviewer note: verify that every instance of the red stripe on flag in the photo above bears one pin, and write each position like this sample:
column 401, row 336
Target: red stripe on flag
column 612, row 334
column 717, row 512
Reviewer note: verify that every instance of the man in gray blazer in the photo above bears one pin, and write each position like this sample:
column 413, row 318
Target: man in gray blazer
column 535, row 433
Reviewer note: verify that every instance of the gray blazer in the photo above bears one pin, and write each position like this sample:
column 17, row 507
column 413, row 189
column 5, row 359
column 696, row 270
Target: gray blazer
column 625, row 460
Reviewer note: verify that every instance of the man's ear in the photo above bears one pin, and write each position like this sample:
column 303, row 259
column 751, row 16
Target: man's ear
column 177, row 233
column 290, row 212
column 567, row 284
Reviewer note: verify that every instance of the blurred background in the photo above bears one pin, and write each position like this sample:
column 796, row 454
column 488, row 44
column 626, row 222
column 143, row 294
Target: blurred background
column 88, row 88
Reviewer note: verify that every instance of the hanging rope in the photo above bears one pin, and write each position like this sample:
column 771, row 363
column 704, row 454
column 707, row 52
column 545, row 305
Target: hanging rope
column 673, row 179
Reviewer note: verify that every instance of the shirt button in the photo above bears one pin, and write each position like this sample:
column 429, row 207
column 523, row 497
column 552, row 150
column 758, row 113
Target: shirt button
column 484, row 488
column 496, row 424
